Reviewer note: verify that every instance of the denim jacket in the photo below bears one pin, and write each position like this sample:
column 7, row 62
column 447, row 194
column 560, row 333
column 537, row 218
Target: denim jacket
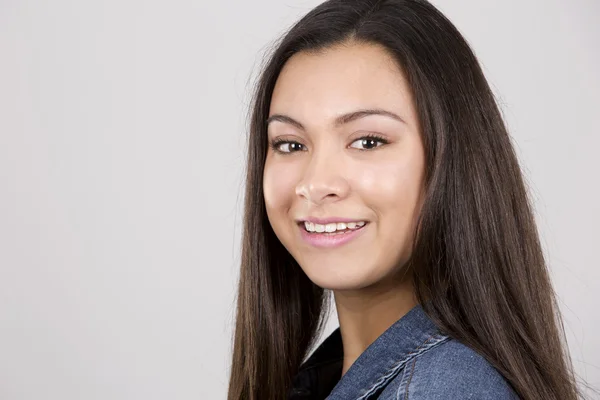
column 411, row 360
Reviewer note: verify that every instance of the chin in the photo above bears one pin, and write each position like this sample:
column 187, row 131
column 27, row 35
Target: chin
column 338, row 279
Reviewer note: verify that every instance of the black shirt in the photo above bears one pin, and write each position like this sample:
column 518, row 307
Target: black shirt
column 319, row 374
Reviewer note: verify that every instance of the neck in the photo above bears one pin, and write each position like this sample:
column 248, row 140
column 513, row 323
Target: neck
column 364, row 314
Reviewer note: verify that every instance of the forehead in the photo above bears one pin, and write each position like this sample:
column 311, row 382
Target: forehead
column 340, row 79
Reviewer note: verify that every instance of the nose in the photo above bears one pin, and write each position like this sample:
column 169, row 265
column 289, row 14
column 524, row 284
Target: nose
column 323, row 179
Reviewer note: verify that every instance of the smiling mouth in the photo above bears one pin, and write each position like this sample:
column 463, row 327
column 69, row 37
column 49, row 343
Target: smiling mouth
column 331, row 229
column 331, row 235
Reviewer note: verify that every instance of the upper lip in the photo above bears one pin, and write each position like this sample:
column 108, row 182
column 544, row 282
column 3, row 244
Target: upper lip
column 325, row 221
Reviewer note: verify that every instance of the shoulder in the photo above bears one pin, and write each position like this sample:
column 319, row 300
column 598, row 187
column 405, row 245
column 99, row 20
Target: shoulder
column 450, row 370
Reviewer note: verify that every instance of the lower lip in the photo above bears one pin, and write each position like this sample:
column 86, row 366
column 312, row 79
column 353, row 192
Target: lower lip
column 329, row 240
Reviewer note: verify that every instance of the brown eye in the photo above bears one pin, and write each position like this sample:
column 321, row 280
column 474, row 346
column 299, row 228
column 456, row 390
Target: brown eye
column 284, row 146
column 369, row 142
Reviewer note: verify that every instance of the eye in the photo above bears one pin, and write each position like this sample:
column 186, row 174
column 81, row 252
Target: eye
column 369, row 142
column 286, row 146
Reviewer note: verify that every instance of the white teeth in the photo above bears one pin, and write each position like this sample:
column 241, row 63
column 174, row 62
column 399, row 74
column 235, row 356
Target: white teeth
column 332, row 227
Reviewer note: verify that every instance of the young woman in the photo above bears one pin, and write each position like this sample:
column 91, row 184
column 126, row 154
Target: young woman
column 380, row 171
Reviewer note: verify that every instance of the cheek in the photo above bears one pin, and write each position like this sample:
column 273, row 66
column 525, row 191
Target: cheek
column 278, row 187
column 392, row 186
column 392, row 189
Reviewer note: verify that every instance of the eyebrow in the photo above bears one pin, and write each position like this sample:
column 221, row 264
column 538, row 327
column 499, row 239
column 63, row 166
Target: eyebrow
column 341, row 120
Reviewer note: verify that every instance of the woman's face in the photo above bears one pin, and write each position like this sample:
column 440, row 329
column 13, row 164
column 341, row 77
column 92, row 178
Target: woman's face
column 324, row 168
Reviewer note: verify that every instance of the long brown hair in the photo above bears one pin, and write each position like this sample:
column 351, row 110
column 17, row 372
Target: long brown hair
column 476, row 258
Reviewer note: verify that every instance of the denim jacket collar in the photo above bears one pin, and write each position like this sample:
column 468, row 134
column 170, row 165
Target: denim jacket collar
column 372, row 370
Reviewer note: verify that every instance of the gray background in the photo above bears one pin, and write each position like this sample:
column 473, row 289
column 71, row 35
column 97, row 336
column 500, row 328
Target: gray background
column 121, row 155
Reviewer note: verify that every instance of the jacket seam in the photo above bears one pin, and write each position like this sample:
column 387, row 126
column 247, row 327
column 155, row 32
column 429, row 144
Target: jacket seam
column 412, row 371
column 427, row 344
